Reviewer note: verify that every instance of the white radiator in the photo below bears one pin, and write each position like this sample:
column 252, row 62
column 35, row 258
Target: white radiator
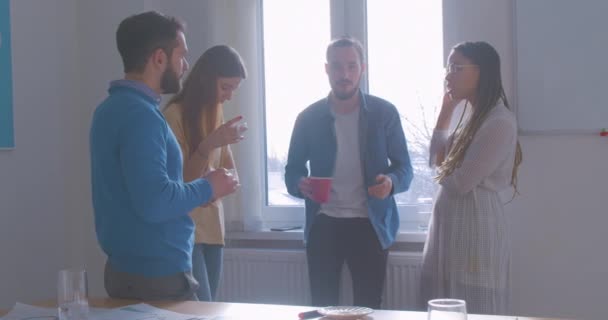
column 281, row 277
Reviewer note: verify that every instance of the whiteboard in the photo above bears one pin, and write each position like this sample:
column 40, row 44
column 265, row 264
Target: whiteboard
column 562, row 65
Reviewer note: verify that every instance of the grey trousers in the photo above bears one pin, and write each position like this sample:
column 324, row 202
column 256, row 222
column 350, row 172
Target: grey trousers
column 121, row 285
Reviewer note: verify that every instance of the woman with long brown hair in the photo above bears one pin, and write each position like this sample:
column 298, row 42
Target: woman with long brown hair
column 195, row 115
column 467, row 252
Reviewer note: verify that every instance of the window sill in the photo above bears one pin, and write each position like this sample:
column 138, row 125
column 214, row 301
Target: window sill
column 411, row 240
column 402, row 236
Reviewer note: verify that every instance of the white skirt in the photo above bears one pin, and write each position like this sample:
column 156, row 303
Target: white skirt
column 467, row 253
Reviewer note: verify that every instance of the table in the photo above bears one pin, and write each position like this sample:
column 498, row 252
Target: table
column 266, row 311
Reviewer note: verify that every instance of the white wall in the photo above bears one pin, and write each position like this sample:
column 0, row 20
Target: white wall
column 33, row 185
column 560, row 265
column 64, row 55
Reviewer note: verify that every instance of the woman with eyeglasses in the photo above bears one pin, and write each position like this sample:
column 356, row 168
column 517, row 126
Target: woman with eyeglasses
column 467, row 252
column 195, row 115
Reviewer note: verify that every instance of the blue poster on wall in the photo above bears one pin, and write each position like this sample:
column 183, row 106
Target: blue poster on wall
column 7, row 139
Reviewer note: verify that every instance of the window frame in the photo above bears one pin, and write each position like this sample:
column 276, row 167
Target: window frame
column 345, row 19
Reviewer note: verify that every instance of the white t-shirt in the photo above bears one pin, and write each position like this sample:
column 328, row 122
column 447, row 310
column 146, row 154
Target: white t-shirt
column 348, row 195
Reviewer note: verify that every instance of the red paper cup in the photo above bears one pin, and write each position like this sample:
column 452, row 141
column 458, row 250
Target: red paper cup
column 320, row 188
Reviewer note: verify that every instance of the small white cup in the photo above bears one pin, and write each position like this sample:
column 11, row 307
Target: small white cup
column 241, row 128
column 233, row 173
column 72, row 295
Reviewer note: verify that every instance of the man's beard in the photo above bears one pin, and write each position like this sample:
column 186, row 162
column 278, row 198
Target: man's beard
column 345, row 95
column 170, row 81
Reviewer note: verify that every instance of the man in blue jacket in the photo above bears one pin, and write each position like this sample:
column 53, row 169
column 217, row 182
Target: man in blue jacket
column 140, row 201
column 357, row 140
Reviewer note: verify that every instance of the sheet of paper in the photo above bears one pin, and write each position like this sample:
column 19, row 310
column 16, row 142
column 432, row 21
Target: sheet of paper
column 134, row 312
column 161, row 314
column 23, row 311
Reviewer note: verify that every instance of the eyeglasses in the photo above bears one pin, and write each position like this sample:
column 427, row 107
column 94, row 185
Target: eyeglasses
column 453, row 68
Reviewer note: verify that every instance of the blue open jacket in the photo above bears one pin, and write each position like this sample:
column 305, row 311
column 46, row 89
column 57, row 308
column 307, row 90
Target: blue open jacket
column 383, row 151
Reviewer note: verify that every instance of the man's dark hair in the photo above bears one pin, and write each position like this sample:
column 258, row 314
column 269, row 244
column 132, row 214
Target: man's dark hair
column 138, row 36
column 346, row 41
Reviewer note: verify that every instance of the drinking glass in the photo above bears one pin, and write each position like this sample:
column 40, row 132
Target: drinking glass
column 447, row 309
column 72, row 293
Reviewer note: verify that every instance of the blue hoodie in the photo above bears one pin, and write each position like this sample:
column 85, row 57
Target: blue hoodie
column 140, row 201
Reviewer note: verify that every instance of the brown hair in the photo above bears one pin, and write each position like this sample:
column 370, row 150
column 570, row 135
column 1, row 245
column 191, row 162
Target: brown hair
column 343, row 42
column 198, row 97
column 138, row 36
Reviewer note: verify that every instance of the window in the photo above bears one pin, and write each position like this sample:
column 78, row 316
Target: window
column 405, row 66
column 294, row 77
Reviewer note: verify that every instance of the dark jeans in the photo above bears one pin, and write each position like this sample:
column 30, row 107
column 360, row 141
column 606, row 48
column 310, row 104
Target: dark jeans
column 333, row 241
column 122, row 285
